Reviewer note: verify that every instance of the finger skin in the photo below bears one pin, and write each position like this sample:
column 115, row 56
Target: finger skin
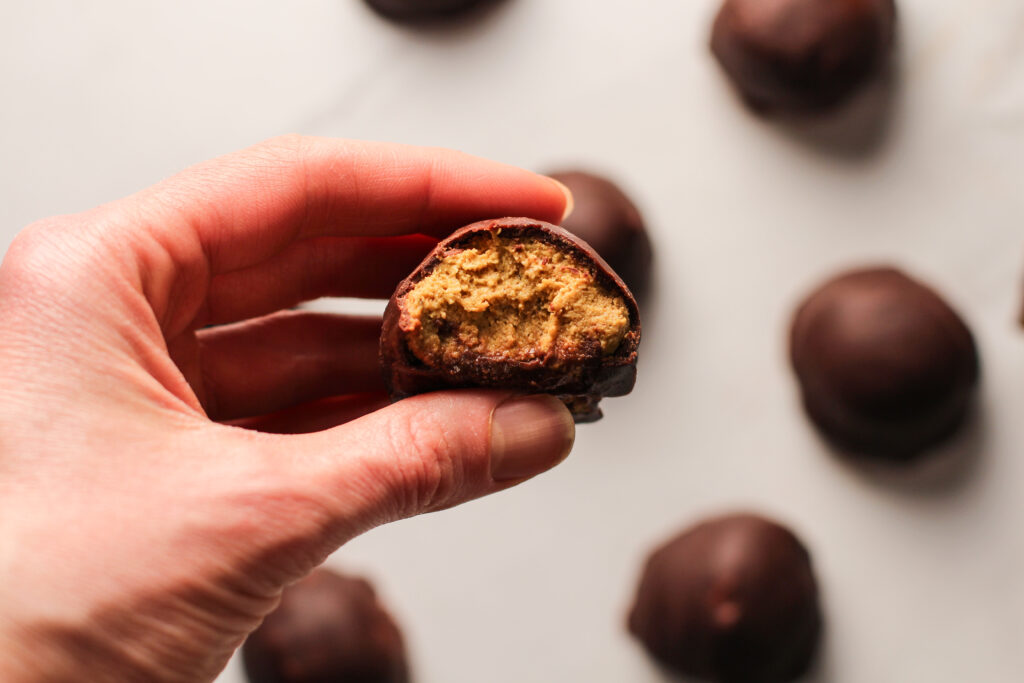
column 285, row 359
column 246, row 208
column 149, row 540
column 316, row 416
column 361, row 267
column 421, row 454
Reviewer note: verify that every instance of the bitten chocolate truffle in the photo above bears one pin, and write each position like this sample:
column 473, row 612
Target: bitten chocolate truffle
column 413, row 11
column 732, row 600
column 885, row 366
column 606, row 219
column 517, row 304
column 328, row 628
column 801, row 56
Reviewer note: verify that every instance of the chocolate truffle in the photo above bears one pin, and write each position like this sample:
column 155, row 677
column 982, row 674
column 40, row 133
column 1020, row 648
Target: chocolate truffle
column 606, row 219
column 732, row 599
column 802, row 56
column 885, row 366
column 413, row 11
column 328, row 628
column 517, row 304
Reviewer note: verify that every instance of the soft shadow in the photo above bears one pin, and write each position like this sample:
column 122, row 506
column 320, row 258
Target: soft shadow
column 648, row 297
column 860, row 127
column 315, row 416
column 941, row 471
column 820, row 669
column 450, row 26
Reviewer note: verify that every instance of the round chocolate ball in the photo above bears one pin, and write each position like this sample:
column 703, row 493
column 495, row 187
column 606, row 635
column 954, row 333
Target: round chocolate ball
column 885, row 366
column 606, row 219
column 328, row 628
column 733, row 600
column 802, row 55
column 421, row 10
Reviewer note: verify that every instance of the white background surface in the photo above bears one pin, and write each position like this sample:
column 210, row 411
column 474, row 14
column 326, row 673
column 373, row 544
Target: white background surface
column 922, row 572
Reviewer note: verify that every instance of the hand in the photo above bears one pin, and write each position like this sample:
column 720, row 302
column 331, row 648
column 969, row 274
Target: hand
column 141, row 537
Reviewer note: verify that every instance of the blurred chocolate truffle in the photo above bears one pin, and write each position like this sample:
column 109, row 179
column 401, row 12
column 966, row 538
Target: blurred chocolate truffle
column 606, row 219
column 885, row 366
column 328, row 628
column 732, row 600
column 413, row 11
column 801, row 56
column 516, row 304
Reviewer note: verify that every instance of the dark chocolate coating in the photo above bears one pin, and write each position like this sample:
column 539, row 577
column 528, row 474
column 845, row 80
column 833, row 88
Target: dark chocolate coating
column 579, row 384
column 421, row 10
column 733, row 600
column 885, row 366
column 328, row 628
column 606, row 219
column 802, row 56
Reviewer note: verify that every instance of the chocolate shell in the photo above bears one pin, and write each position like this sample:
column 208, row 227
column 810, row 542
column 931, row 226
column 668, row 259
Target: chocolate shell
column 802, row 56
column 732, row 600
column 580, row 379
column 414, row 11
column 886, row 367
column 328, row 628
column 607, row 219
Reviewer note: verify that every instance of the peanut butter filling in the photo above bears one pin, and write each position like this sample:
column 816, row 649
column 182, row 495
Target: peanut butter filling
column 515, row 300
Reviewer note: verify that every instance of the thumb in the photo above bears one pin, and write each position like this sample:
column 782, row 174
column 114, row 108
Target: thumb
column 421, row 454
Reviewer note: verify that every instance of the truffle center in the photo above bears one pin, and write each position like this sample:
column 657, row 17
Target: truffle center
column 509, row 299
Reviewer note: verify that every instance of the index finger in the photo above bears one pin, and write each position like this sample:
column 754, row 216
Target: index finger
column 241, row 209
column 244, row 207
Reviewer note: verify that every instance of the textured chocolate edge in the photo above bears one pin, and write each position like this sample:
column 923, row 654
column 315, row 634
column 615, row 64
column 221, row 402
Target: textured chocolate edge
column 580, row 386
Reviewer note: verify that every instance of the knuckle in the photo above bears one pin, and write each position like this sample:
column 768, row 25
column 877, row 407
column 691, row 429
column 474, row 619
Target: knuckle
column 287, row 147
column 269, row 160
column 35, row 252
column 33, row 237
column 428, row 466
column 284, row 159
column 48, row 255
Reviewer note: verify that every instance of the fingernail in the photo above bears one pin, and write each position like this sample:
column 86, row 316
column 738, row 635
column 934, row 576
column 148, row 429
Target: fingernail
column 529, row 434
column 570, row 203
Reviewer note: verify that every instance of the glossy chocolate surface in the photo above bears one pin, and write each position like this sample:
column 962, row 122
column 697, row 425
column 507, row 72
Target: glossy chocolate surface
column 885, row 366
column 732, row 600
column 606, row 219
column 802, row 56
column 414, row 11
column 580, row 383
column 328, row 628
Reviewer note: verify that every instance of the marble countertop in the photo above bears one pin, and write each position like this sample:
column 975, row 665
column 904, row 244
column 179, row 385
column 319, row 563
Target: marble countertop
column 921, row 570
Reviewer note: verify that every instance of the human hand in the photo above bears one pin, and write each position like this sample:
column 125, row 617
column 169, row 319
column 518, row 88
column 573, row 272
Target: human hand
column 141, row 538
